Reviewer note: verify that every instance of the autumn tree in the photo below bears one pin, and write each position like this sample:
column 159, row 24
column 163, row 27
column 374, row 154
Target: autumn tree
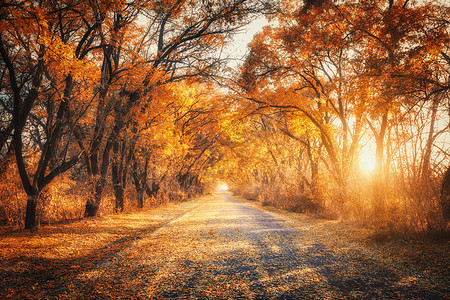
column 304, row 66
column 43, row 57
column 348, row 68
column 398, row 43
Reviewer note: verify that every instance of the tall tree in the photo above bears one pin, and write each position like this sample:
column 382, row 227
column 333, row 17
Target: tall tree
column 43, row 72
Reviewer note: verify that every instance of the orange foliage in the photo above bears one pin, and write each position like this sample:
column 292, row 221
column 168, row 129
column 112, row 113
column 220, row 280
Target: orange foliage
column 332, row 77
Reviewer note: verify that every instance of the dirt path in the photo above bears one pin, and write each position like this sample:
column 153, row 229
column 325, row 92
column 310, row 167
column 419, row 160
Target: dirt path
column 229, row 249
column 222, row 248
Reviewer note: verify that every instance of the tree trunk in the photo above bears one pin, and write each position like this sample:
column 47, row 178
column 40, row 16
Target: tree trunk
column 91, row 209
column 118, row 187
column 93, row 203
column 137, row 178
column 378, row 188
column 140, row 195
column 116, row 173
column 31, row 217
column 426, row 158
column 119, row 171
column 153, row 190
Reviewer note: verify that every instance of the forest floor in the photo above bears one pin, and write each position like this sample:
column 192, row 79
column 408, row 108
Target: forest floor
column 220, row 247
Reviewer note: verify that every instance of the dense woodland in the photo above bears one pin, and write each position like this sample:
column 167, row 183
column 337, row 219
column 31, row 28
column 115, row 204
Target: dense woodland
column 340, row 108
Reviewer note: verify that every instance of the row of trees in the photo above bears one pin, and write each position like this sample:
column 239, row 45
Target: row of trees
column 107, row 91
column 116, row 99
column 328, row 81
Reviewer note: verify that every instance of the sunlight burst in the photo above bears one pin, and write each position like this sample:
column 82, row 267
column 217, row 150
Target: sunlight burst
column 367, row 162
column 222, row 187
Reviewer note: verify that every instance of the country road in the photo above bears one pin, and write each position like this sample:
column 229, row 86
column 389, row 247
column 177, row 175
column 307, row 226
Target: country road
column 219, row 247
column 225, row 248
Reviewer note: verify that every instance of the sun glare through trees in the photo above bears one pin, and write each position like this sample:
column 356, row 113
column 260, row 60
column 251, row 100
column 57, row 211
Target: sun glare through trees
column 223, row 187
column 367, row 161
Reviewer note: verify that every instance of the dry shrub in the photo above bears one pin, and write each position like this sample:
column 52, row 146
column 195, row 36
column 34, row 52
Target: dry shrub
column 411, row 207
column 13, row 198
column 108, row 204
column 64, row 199
column 419, row 208
column 395, row 206
column 170, row 191
column 250, row 191
column 302, row 203
column 130, row 199
column 280, row 195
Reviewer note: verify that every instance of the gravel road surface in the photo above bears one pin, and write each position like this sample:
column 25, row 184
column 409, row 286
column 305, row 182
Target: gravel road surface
column 223, row 248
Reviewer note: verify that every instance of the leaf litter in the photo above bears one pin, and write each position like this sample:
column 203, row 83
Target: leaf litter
column 217, row 248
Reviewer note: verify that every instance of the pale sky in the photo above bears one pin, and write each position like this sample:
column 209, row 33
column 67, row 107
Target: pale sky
column 238, row 48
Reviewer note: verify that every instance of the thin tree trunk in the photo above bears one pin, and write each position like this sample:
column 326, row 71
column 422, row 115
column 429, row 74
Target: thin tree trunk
column 378, row 188
column 118, row 186
column 426, row 158
column 31, row 216
column 116, row 165
column 445, row 195
column 92, row 206
column 138, row 187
